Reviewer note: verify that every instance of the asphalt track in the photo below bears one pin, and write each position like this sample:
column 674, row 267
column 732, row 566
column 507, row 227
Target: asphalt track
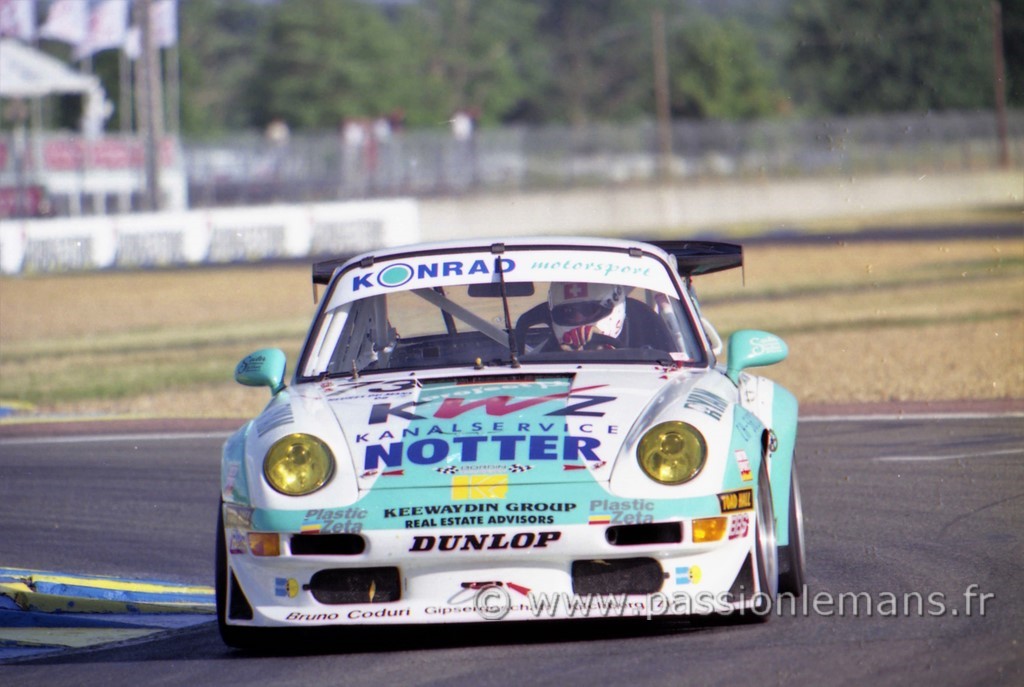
column 914, row 551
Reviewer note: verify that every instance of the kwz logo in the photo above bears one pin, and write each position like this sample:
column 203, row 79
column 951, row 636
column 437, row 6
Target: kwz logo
column 494, row 406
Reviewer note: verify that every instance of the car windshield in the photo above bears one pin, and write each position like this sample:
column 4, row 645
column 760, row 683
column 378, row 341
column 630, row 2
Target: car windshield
column 407, row 316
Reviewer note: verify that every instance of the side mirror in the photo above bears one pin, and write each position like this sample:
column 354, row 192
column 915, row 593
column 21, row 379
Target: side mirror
column 265, row 367
column 752, row 348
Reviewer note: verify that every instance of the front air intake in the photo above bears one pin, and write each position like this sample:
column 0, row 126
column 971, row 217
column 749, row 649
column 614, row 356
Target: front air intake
column 617, row 576
column 356, row 585
column 327, row 544
column 648, row 533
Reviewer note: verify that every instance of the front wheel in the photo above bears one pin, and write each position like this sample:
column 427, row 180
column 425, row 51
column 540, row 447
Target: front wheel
column 766, row 553
column 791, row 556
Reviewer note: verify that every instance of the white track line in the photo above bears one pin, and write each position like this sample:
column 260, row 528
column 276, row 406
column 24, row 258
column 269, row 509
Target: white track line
column 960, row 456
column 900, row 417
column 97, row 438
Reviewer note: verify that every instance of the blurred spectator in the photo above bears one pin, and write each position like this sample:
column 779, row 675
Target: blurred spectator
column 277, row 132
column 462, row 126
column 277, row 135
column 357, row 139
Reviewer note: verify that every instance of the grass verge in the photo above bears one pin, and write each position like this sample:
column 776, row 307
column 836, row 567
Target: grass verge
column 903, row 321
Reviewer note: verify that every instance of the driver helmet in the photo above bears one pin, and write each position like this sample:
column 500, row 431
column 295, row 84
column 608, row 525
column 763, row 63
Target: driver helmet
column 579, row 310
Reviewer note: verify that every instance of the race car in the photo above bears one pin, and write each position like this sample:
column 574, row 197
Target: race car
column 530, row 429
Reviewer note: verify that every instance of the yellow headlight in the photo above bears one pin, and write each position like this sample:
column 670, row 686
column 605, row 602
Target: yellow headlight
column 672, row 452
column 298, row 464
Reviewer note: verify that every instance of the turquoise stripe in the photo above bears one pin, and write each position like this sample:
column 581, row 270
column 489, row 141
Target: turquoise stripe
column 785, row 411
column 233, row 480
column 391, row 509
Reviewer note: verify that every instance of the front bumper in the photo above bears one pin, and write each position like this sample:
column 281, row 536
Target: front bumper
column 437, row 575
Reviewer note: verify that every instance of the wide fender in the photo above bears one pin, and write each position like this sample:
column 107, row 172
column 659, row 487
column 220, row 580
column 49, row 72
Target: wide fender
column 778, row 410
column 785, row 410
column 234, row 483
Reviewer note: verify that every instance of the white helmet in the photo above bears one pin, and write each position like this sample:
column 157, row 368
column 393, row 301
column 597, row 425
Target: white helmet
column 581, row 309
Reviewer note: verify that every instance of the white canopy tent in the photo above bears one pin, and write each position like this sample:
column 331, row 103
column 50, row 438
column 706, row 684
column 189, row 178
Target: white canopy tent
column 31, row 74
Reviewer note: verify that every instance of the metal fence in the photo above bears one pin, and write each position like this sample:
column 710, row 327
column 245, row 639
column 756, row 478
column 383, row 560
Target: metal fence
column 370, row 160
column 255, row 169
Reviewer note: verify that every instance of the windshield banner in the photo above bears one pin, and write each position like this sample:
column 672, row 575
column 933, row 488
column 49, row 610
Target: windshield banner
column 418, row 272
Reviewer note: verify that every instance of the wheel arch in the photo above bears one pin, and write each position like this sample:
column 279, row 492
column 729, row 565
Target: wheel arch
column 781, row 435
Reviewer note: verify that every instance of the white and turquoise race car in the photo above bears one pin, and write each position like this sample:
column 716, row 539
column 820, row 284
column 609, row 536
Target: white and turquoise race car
column 517, row 430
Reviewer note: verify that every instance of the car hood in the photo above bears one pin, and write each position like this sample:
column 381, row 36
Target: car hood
column 478, row 435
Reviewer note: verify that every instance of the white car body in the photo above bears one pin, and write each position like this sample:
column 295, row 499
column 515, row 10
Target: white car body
column 468, row 484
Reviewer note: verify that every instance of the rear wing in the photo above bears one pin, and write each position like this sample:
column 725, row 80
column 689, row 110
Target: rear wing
column 702, row 257
column 324, row 270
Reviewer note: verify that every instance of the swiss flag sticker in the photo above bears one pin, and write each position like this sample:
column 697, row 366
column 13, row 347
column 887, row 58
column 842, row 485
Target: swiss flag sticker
column 575, row 291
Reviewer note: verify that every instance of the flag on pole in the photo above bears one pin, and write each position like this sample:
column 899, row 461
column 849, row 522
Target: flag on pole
column 164, row 23
column 133, row 43
column 108, row 26
column 18, row 19
column 67, row 21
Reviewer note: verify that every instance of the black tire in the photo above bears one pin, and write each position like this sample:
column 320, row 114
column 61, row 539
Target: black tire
column 792, row 557
column 765, row 549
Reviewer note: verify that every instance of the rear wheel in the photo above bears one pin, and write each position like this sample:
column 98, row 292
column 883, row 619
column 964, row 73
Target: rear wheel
column 792, row 556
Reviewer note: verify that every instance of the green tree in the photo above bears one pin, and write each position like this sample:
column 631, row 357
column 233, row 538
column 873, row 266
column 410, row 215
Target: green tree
column 479, row 55
column 600, row 61
column 863, row 56
column 603, row 62
column 328, row 60
column 1013, row 50
column 219, row 45
column 717, row 72
column 315, row 63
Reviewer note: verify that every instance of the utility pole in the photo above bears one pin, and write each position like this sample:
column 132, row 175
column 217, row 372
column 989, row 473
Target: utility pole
column 999, row 83
column 661, row 94
column 150, row 107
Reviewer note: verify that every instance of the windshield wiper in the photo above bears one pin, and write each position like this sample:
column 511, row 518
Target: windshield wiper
column 499, row 248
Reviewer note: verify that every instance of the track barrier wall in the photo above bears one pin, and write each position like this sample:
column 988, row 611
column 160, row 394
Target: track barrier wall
column 275, row 232
column 221, row 236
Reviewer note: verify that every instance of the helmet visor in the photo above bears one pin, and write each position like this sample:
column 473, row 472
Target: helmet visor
column 573, row 314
